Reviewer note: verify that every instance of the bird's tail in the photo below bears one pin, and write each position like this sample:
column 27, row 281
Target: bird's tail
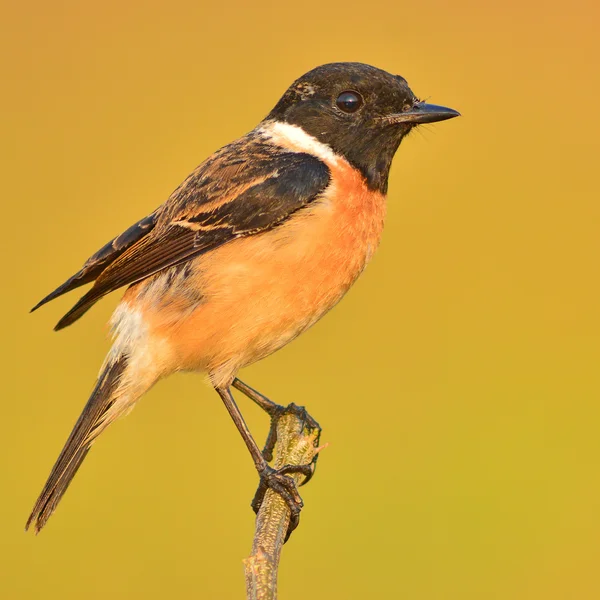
column 110, row 398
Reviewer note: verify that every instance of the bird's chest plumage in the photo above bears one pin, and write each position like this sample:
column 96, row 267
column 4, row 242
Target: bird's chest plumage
column 261, row 291
column 332, row 242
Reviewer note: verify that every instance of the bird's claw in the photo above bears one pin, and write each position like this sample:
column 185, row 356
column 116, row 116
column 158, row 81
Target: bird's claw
column 279, row 481
column 276, row 413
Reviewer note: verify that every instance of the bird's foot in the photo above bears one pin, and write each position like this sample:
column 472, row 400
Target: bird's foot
column 279, row 481
column 276, row 412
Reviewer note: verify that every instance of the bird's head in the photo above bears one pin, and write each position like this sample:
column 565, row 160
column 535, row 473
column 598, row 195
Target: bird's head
column 360, row 111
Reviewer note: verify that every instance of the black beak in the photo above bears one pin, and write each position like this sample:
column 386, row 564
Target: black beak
column 424, row 113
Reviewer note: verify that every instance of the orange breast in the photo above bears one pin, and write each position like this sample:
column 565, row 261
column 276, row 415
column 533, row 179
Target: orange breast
column 260, row 292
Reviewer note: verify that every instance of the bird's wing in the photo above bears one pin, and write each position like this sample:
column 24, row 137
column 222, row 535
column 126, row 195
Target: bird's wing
column 244, row 189
column 96, row 263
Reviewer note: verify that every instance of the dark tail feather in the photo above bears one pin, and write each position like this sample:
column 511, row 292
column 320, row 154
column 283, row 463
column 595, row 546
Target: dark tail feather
column 75, row 450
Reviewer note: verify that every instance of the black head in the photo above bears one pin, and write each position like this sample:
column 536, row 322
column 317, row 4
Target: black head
column 361, row 112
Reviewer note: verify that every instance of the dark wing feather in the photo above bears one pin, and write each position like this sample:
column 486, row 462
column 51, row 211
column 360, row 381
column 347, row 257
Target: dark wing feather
column 101, row 259
column 263, row 190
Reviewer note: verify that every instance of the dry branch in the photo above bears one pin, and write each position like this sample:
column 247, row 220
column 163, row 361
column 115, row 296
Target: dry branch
column 297, row 444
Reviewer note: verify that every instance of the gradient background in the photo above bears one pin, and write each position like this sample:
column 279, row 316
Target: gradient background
column 457, row 384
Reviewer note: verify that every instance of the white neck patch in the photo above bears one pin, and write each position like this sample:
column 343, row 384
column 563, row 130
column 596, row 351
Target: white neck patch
column 295, row 139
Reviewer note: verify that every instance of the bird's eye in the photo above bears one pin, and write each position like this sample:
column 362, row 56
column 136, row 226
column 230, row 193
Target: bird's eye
column 349, row 102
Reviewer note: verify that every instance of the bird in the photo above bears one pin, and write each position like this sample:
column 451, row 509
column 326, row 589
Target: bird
column 256, row 245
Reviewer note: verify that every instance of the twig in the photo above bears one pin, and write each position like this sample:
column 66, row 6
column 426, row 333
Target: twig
column 297, row 444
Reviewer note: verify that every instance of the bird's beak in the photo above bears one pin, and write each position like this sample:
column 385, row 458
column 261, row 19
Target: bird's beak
column 424, row 113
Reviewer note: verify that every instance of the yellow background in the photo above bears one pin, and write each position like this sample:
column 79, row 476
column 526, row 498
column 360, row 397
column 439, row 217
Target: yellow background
column 458, row 382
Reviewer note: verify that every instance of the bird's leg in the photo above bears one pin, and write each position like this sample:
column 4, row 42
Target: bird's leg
column 271, row 408
column 275, row 411
column 277, row 480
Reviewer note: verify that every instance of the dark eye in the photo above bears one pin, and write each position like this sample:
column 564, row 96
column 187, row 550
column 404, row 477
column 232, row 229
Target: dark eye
column 349, row 101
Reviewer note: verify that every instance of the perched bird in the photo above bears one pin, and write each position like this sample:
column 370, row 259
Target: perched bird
column 253, row 248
